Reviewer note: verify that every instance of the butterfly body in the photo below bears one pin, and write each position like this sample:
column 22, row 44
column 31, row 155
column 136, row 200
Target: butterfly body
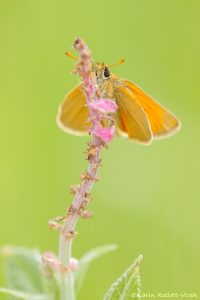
column 139, row 117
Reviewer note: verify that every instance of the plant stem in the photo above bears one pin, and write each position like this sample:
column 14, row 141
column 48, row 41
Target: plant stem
column 82, row 194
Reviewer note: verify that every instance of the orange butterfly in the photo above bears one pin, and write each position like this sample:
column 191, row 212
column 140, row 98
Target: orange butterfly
column 139, row 117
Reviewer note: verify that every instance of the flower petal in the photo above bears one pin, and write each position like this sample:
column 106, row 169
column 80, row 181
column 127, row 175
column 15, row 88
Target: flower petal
column 104, row 105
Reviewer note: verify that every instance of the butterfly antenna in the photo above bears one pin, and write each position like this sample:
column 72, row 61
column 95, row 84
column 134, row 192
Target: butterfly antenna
column 118, row 63
column 71, row 55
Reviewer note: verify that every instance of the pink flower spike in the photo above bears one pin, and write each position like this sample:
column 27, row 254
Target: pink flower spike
column 106, row 134
column 104, row 105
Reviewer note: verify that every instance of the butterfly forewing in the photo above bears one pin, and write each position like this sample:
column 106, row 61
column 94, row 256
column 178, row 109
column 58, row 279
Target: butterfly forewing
column 162, row 122
column 131, row 118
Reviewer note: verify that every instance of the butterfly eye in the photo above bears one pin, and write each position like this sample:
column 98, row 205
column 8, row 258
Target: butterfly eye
column 106, row 72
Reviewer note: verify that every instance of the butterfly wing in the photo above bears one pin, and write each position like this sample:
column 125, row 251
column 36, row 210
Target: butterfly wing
column 73, row 113
column 131, row 118
column 162, row 121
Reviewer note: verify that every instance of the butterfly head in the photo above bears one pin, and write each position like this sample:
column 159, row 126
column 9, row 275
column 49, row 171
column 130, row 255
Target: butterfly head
column 101, row 71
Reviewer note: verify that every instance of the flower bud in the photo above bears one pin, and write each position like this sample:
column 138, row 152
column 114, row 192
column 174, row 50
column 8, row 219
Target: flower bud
column 74, row 264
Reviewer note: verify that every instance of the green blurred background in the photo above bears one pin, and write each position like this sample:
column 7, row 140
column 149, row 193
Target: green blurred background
column 147, row 200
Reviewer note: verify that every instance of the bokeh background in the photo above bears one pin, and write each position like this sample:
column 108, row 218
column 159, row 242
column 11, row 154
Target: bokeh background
column 147, row 200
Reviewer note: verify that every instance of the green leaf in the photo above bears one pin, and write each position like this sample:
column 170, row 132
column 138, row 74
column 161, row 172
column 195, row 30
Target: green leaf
column 22, row 269
column 87, row 259
column 127, row 287
column 23, row 295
